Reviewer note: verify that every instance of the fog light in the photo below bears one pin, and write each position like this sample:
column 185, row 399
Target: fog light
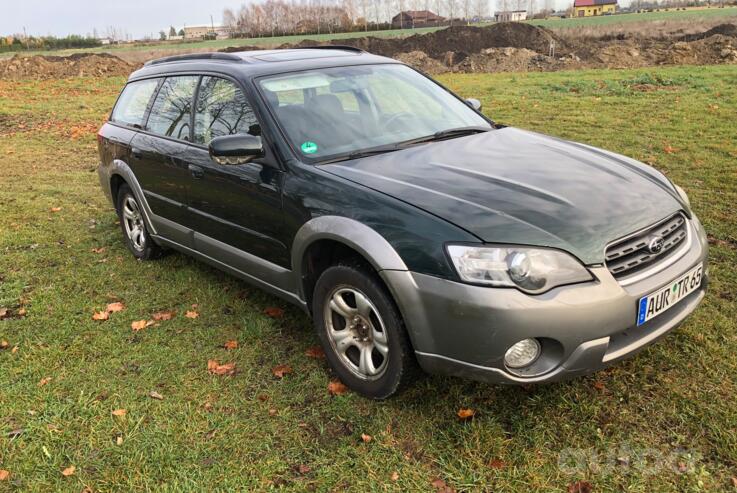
column 522, row 354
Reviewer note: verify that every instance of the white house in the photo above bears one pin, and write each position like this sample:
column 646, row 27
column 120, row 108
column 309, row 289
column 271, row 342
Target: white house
column 510, row 16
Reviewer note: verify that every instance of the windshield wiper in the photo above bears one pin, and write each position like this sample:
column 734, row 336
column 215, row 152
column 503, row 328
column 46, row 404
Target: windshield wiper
column 364, row 153
column 448, row 134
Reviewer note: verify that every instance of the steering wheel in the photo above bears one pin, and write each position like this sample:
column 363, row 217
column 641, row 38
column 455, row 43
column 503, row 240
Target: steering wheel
column 395, row 117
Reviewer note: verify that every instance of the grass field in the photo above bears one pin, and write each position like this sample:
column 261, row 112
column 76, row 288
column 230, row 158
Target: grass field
column 663, row 421
column 728, row 13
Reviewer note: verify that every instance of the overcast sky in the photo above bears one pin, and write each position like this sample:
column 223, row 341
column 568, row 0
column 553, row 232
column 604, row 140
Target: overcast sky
column 137, row 17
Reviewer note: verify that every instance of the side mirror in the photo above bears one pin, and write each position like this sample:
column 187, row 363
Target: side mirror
column 474, row 103
column 236, row 149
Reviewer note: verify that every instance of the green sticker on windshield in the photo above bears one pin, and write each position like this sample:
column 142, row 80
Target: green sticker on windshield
column 309, row 147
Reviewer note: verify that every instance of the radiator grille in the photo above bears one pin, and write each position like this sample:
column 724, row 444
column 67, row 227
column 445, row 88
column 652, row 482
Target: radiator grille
column 639, row 251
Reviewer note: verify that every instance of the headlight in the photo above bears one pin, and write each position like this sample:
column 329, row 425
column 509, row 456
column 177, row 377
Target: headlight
column 533, row 270
column 683, row 195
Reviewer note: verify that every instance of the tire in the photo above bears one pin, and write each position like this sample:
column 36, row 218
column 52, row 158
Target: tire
column 133, row 225
column 362, row 332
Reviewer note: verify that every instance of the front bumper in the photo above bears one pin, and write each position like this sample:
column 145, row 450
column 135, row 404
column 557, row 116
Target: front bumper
column 464, row 330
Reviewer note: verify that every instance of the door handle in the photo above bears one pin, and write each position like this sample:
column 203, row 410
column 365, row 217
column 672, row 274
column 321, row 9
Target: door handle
column 136, row 153
column 196, row 171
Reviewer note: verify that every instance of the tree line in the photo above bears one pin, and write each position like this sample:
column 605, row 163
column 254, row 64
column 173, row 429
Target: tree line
column 20, row 43
column 284, row 17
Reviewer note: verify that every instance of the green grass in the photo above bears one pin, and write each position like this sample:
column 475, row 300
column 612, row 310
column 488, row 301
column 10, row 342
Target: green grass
column 673, row 401
column 671, row 15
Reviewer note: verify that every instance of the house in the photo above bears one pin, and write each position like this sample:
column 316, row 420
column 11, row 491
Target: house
column 415, row 18
column 200, row 32
column 588, row 8
column 510, row 16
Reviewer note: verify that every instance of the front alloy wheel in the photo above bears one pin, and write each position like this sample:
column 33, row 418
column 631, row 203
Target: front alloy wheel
column 362, row 331
column 356, row 332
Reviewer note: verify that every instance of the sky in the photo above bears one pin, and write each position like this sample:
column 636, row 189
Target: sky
column 139, row 18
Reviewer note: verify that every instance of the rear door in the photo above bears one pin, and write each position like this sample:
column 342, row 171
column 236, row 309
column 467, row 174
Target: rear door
column 159, row 156
column 239, row 205
column 126, row 119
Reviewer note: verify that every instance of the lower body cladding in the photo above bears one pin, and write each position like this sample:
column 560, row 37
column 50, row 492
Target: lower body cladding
column 464, row 330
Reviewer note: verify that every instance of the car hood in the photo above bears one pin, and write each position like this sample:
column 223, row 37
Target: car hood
column 519, row 187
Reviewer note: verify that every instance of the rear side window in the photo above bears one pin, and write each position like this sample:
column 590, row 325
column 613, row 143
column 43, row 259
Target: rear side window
column 222, row 109
column 132, row 103
column 172, row 109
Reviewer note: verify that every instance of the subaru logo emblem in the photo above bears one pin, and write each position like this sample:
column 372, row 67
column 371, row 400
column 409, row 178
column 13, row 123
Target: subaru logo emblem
column 656, row 244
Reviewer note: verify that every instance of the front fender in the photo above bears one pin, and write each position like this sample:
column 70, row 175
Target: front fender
column 354, row 234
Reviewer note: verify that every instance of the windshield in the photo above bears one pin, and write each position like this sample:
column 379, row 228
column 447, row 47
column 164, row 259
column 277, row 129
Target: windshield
column 345, row 110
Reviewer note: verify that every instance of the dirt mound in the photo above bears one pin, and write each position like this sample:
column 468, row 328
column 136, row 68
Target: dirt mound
column 508, row 60
column 711, row 50
column 77, row 65
column 462, row 41
column 723, row 29
column 421, row 61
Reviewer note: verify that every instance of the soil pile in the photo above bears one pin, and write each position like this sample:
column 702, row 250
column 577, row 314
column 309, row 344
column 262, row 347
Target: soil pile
column 723, row 29
column 51, row 67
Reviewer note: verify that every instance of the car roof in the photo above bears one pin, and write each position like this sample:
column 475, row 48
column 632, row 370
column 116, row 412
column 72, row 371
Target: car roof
column 260, row 62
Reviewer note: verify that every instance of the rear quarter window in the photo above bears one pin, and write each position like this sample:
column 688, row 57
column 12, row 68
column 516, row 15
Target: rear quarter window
column 133, row 101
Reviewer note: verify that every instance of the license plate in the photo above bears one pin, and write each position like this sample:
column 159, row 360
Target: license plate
column 656, row 303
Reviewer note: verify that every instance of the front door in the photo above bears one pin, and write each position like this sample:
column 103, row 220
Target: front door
column 236, row 205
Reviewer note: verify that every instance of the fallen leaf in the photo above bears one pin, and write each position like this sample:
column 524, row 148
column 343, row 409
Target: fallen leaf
column 669, row 150
column 466, row 413
column 734, row 481
column 163, row 315
column 263, row 397
column 366, row 438
column 55, row 209
column 4, row 344
column 496, row 464
column 315, row 352
column 336, row 387
column 280, row 370
column 14, row 350
column 100, row 315
column 441, row 486
column 304, row 469
column 98, row 250
column 4, row 474
column 69, row 471
column 120, row 413
column 4, row 313
column 141, row 324
column 580, row 487
column 394, row 476
column 274, row 312
column 115, row 307
column 231, row 345
column 217, row 369
column 119, row 440
column 44, row 381
column 155, row 395
column 273, row 412
column 599, row 385
column 22, row 312
column 191, row 314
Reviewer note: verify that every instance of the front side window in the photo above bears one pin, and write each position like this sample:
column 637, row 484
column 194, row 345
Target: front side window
column 327, row 113
column 133, row 101
column 172, row 109
column 221, row 110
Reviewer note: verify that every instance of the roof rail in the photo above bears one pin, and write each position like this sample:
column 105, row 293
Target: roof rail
column 196, row 56
column 329, row 47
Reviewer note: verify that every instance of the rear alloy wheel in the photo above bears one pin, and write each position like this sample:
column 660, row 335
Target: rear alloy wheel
column 133, row 224
column 362, row 331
